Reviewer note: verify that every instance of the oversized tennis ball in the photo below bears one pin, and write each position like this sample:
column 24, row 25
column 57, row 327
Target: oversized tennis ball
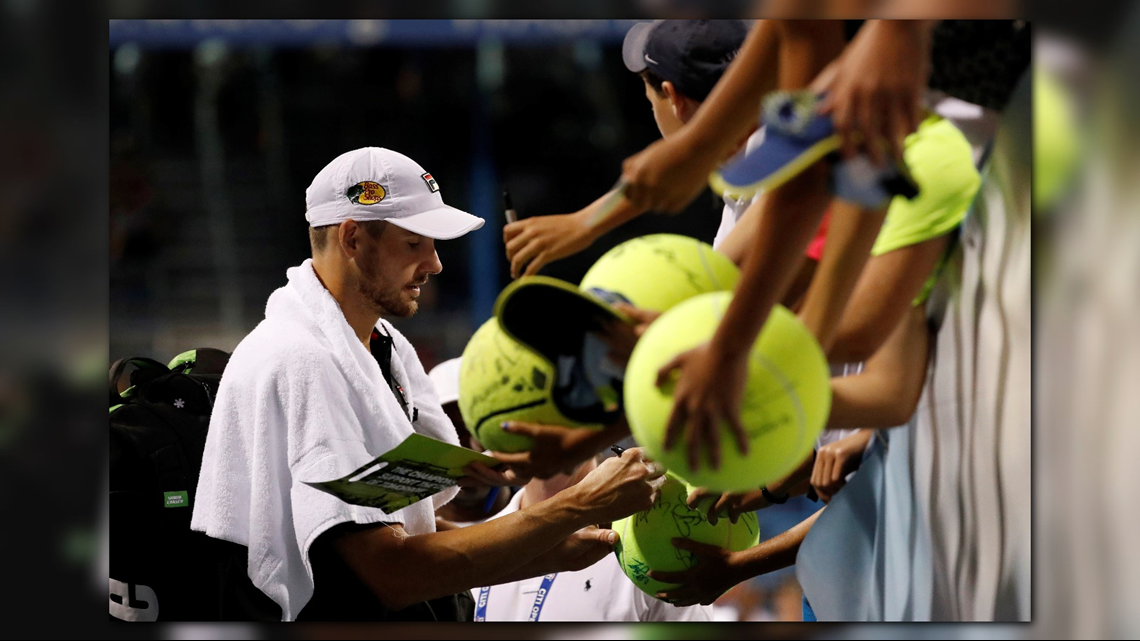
column 1055, row 141
column 645, row 539
column 787, row 395
column 660, row 270
column 503, row 380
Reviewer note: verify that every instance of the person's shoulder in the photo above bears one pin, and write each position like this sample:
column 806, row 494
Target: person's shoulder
column 276, row 347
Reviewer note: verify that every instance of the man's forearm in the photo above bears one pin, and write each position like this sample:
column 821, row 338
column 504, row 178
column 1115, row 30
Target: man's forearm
column 541, row 565
column 478, row 554
column 403, row 569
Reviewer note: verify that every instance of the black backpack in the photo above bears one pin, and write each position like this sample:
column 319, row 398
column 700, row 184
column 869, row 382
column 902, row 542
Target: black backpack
column 160, row 569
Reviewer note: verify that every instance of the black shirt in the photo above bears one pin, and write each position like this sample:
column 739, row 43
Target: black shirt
column 340, row 595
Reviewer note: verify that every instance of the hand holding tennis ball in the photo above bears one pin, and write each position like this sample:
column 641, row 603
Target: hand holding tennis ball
column 783, row 406
column 647, row 541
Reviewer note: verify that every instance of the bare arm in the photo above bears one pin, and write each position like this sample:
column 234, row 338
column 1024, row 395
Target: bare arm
column 443, row 525
column 886, row 392
column 884, row 295
column 850, row 237
column 834, row 461
column 533, row 243
column 733, row 106
column 732, row 505
column 402, row 569
column 786, row 222
column 738, row 243
column 875, row 90
column 717, row 569
column 576, row 552
column 883, row 291
column 777, row 552
column 668, row 174
column 710, row 383
column 557, row 449
column 777, row 53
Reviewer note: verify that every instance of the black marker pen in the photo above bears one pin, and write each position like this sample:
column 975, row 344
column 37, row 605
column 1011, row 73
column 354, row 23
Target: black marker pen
column 509, row 208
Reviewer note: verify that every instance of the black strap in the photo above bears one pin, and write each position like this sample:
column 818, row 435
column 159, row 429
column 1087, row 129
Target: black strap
column 382, row 347
column 772, row 498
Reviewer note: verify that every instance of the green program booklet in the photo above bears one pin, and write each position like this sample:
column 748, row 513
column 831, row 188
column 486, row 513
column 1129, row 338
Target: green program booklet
column 418, row 468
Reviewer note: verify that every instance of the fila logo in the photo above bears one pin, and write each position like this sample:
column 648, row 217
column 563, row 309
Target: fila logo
column 431, row 183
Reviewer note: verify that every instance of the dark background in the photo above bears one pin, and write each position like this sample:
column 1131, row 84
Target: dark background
column 213, row 144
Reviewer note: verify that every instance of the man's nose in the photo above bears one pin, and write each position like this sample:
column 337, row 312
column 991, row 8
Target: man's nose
column 433, row 266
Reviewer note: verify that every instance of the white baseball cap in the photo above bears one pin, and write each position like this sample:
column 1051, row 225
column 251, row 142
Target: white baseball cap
column 445, row 377
column 374, row 183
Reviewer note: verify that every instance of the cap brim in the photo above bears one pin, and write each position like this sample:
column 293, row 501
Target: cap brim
column 774, row 162
column 633, row 47
column 443, row 223
column 551, row 316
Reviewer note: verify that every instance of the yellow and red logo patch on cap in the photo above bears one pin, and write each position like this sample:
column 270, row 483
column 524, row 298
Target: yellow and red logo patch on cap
column 366, row 193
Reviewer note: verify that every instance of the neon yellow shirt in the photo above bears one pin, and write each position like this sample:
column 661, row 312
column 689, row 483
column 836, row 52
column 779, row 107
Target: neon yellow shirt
column 941, row 162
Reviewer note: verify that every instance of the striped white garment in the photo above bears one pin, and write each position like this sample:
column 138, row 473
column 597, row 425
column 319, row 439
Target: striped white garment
column 938, row 526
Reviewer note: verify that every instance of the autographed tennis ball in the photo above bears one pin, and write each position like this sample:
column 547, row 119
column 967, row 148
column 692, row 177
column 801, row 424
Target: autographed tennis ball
column 645, row 539
column 786, row 401
column 658, row 271
column 503, row 380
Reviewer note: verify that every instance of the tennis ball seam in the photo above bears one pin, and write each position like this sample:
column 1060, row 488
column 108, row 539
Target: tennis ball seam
column 514, row 408
column 792, row 393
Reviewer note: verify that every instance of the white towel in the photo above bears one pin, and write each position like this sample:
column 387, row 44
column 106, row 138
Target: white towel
column 302, row 399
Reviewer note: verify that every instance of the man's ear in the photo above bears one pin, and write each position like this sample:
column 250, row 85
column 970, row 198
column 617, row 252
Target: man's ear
column 683, row 106
column 348, row 237
column 674, row 98
column 687, row 109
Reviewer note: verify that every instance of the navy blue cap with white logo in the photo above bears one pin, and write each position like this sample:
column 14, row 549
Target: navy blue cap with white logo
column 691, row 54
